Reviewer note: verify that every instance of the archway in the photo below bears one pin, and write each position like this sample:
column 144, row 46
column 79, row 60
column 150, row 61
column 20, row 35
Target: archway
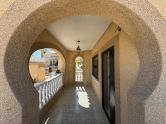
column 145, row 26
column 42, row 60
column 56, row 48
column 79, row 69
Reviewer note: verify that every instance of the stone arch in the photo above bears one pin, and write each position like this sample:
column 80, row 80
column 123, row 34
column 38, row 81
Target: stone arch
column 19, row 29
column 61, row 53
column 46, row 44
column 41, row 45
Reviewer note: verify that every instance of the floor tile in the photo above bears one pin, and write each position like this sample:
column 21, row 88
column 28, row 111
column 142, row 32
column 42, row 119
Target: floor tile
column 76, row 105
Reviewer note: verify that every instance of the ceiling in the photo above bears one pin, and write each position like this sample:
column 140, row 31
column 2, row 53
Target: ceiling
column 87, row 29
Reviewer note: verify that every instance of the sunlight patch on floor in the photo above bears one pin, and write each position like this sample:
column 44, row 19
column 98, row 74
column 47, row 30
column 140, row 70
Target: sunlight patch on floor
column 83, row 98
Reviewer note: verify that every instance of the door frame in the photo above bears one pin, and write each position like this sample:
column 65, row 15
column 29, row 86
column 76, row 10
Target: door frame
column 107, row 50
column 113, row 42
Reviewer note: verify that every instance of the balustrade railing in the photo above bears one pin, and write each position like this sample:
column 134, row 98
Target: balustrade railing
column 79, row 76
column 48, row 88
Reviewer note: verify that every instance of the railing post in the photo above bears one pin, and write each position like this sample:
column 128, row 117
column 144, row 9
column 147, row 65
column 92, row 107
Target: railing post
column 43, row 95
column 55, row 86
column 52, row 87
column 47, row 91
column 40, row 96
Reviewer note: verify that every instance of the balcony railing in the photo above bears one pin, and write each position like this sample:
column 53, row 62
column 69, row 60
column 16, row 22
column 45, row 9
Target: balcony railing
column 79, row 76
column 48, row 88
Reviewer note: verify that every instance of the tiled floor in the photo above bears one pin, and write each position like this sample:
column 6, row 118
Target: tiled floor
column 76, row 105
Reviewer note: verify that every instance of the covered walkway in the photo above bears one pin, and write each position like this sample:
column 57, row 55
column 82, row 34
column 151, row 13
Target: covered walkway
column 76, row 105
column 123, row 46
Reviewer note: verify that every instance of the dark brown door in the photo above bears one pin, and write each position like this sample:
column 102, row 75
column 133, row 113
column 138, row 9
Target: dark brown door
column 108, row 84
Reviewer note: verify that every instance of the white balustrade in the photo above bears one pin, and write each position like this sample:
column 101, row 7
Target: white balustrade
column 79, row 76
column 48, row 88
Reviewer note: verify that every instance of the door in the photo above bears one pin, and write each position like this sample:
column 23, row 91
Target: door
column 108, row 84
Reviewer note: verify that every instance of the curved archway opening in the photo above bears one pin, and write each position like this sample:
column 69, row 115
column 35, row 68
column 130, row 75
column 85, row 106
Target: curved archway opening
column 45, row 63
column 79, row 71
column 47, row 67
column 135, row 22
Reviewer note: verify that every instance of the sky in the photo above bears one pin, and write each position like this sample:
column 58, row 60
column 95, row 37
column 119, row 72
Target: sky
column 37, row 54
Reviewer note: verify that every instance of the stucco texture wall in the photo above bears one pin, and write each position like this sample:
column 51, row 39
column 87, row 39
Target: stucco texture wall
column 126, row 67
column 159, row 4
column 19, row 29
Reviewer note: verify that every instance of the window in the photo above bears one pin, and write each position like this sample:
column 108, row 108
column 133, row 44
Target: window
column 95, row 66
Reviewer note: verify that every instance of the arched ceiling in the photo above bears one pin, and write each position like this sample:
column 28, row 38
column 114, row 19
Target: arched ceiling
column 87, row 29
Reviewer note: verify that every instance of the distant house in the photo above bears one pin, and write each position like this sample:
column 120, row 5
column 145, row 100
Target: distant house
column 43, row 67
column 37, row 68
column 51, row 62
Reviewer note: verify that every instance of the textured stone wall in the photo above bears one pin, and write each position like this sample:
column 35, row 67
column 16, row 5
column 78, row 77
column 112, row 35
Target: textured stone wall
column 26, row 19
column 4, row 5
column 159, row 4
